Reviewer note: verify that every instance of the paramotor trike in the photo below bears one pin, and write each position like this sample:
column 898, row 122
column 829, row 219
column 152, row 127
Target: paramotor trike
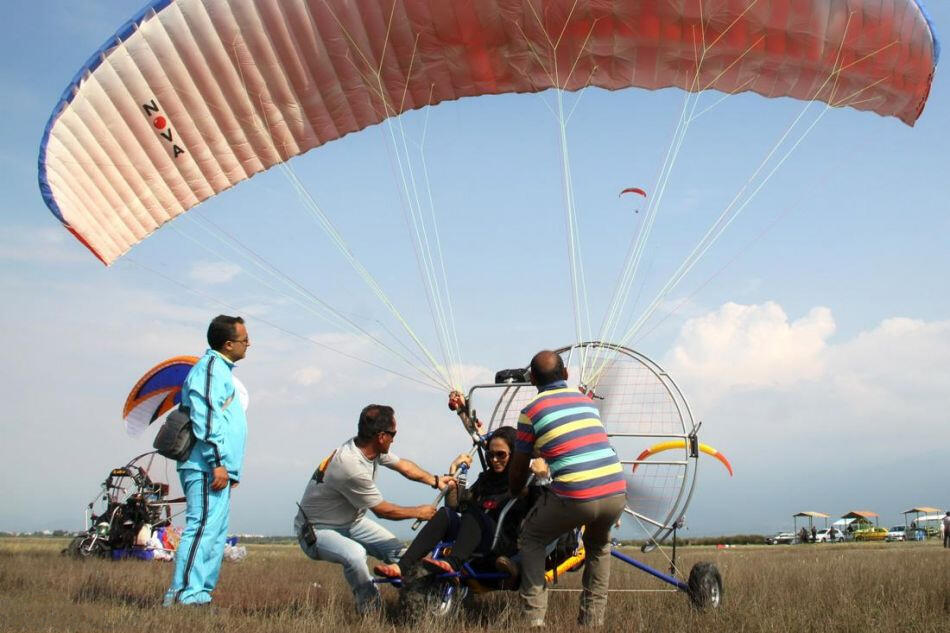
column 128, row 503
column 638, row 403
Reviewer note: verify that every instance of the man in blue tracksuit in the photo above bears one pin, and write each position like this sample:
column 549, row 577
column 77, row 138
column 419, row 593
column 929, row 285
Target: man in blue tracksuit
column 214, row 465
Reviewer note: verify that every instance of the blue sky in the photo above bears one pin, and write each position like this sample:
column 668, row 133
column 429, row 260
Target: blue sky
column 813, row 339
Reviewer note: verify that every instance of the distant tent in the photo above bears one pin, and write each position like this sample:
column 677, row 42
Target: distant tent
column 842, row 524
column 923, row 510
column 928, row 519
column 921, row 515
column 811, row 515
column 861, row 516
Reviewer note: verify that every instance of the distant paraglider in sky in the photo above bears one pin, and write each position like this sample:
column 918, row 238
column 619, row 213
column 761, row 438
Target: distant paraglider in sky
column 636, row 190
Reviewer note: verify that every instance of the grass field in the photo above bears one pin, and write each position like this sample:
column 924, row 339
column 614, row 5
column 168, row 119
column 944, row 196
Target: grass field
column 871, row 587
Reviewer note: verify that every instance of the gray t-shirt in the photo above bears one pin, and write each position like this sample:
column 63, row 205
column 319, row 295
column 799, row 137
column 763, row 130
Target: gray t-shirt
column 347, row 490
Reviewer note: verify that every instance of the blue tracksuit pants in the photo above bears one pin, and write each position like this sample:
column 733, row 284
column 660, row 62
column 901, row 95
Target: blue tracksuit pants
column 199, row 554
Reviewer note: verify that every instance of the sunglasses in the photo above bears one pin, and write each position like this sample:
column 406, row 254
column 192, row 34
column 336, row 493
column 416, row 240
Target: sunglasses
column 389, row 433
column 497, row 454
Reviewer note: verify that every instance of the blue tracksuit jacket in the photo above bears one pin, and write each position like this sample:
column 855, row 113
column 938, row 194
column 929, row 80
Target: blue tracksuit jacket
column 222, row 434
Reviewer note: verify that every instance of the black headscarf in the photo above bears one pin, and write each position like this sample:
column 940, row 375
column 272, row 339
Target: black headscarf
column 490, row 490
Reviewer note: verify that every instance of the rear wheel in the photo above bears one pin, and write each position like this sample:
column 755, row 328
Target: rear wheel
column 705, row 586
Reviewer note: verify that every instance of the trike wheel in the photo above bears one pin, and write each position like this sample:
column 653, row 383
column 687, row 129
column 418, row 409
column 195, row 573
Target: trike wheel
column 85, row 546
column 431, row 597
column 705, row 586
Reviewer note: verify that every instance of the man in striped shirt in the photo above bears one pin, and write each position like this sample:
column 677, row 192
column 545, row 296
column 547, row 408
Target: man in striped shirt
column 563, row 425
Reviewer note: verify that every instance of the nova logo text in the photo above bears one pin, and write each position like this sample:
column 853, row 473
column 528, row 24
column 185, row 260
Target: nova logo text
column 161, row 124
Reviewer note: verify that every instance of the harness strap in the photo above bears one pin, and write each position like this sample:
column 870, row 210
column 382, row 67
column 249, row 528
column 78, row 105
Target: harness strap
column 321, row 470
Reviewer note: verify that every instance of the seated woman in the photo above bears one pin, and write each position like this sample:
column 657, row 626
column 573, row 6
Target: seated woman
column 469, row 516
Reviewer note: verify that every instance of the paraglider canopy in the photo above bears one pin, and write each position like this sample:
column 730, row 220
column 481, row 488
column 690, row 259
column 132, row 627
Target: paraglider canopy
column 159, row 391
column 192, row 97
column 156, row 393
column 636, row 190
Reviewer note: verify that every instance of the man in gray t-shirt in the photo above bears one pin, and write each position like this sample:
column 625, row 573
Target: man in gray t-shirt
column 342, row 488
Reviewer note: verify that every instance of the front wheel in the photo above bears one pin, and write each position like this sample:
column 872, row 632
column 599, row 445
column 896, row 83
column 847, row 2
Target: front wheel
column 705, row 586
column 85, row 546
column 431, row 597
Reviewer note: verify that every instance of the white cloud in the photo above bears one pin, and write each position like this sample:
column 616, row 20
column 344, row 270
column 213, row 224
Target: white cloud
column 899, row 365
column 900, row 371
column 810, row 421
column 748, row 346
column 214, row 272
column 307, row 376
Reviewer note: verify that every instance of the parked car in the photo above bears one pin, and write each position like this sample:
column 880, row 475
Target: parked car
column 824, row 536
column 783, row 538
column 896, row 533
column 871, row 534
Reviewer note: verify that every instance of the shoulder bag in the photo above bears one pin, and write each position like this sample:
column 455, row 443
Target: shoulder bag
column 176, row 437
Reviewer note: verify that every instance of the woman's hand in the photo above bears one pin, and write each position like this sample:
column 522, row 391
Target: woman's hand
column 458, row 461
column 456, row 401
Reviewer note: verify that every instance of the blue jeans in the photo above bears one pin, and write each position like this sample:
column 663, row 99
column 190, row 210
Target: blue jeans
column 348, row 546
column 199, row 553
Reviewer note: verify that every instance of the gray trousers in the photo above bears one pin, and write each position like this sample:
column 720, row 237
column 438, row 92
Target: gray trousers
column 551, row 517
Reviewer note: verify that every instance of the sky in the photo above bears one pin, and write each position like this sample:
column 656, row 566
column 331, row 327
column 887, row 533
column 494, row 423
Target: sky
column 812, row 340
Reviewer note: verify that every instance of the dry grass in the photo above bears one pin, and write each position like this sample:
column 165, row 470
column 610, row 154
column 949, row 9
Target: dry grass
column 853, row 587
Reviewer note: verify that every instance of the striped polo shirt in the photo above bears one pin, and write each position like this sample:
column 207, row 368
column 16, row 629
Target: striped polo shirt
column 565, row 427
